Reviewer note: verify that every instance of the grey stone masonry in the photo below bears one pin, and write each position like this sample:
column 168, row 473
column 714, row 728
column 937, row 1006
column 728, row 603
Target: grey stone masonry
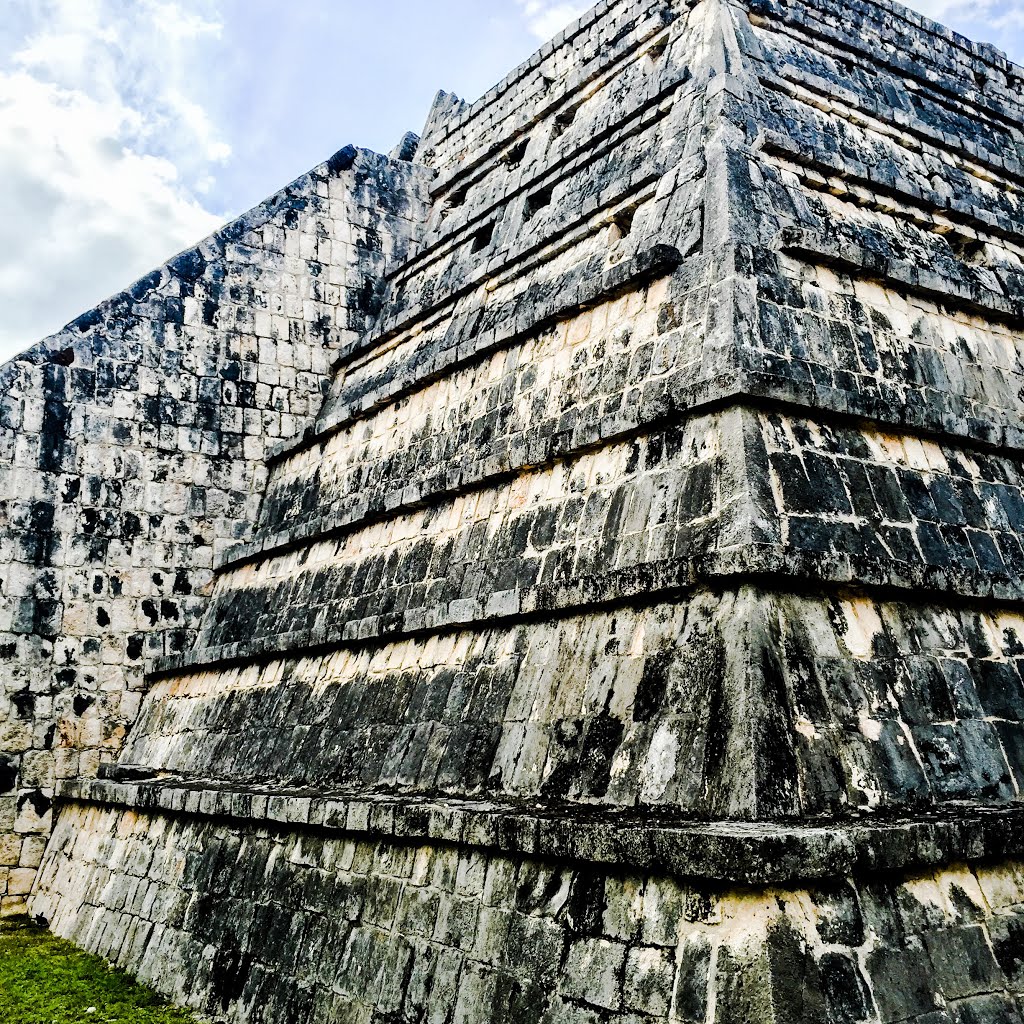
column 133, row 453
column 634, row 631
column 382, row 930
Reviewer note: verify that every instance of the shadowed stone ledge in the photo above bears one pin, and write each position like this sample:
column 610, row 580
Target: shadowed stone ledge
column 753, row 853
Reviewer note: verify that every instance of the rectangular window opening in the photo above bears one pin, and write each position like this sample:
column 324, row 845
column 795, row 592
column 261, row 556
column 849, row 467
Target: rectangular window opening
column 540, row 199
column 482, row 239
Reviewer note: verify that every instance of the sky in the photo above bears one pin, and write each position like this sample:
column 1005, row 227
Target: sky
column 131, row 129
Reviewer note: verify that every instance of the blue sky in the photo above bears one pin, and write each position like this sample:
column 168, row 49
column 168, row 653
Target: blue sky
column 130, row 129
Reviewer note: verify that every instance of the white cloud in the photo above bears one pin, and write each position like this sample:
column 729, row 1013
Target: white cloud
column 104, row 151
column 998, row 17
column 545, row 19
column 939, row 9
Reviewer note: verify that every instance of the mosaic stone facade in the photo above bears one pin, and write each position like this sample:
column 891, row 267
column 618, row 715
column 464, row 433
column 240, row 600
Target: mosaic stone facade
column 634, row 630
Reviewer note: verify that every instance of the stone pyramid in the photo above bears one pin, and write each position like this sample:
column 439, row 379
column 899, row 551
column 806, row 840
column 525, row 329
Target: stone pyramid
column 636, row 632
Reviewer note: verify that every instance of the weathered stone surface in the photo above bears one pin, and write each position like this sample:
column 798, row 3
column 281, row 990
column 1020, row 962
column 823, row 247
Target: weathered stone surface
column 427, row 931
column 133, row 454
column 723, row 851
column 634, row 631
column 687, row 705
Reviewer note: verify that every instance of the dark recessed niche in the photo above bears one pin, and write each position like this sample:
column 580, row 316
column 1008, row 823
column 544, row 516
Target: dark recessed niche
column 563, row 121
column 969, row 250
column 654, row 55
column 538, row 201
column 482, row 238
column 621, row 225
column 456, row 199
column 24, row 704
column 516, row 155
column 8, row 774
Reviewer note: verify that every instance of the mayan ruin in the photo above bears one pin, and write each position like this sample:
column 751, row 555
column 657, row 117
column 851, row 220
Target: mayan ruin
column 569, row 570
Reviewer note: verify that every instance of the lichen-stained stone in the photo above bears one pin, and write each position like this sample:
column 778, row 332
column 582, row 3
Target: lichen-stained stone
column 661, row 499
column 745, row 703
column 133, row 446
column 629, row 628
column 764, row 954
column 508, row 410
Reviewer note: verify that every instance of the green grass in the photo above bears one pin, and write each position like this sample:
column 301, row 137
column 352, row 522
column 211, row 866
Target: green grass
column 44, row 980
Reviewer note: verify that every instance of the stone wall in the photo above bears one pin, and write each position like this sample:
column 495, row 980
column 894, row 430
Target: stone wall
column 282, row 925
column 660, row 537
column 876, row 704
column 133, row 454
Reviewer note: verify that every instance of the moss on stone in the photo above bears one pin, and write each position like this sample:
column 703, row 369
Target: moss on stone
column 44, row 980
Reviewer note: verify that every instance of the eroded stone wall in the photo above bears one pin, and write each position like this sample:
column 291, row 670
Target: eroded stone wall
column 847, row 704
column 133, row 453
column 311, row 926
column 661, row 535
